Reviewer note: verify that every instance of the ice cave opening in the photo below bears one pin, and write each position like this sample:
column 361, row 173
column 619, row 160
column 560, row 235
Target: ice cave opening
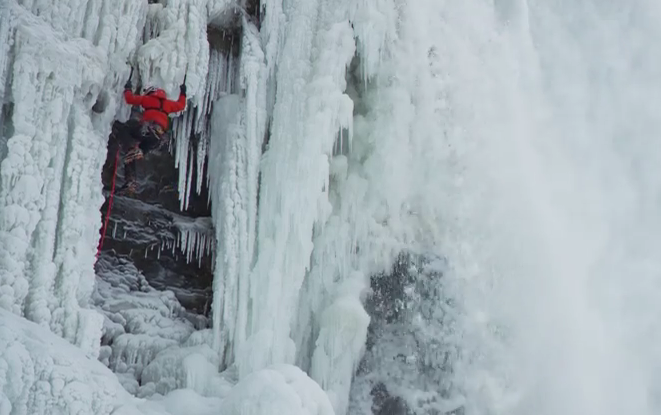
column 162, row 240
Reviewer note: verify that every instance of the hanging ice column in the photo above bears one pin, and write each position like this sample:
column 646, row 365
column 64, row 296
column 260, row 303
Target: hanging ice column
column 310, row 109
column 49, row 197
column 239, row 124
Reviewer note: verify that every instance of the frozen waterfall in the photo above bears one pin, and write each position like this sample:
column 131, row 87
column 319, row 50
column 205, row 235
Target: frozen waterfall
column 367, row 207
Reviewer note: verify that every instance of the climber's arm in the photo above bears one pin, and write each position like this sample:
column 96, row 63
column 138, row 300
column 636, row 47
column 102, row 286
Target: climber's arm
column 175, row 106
column 131, row 98
column 178, row 105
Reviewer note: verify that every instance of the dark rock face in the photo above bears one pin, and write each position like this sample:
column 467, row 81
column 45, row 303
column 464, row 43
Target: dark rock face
column 408, row 363
column 385, row 404
column 6, row 127
column 147, row 228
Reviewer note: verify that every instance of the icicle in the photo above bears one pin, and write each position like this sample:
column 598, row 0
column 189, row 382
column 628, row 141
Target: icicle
column 182, row 156
column 189, row 180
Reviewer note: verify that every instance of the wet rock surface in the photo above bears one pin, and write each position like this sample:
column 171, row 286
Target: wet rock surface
column 407, row 368
column 173, row 249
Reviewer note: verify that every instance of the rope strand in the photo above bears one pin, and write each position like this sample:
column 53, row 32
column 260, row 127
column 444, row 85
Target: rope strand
column 112, row 193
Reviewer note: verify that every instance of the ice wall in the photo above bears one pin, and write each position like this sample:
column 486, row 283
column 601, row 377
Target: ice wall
column 288, row 302
column 65, row 83
column 325, row 224
column 254, row 305
column 515, row 139
column 49, row 197
column 300, row 229
column 382, row 204
column 310, row 109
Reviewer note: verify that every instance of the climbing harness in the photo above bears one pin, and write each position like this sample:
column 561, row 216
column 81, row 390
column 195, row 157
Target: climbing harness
column 112, row 193
column 152, row 128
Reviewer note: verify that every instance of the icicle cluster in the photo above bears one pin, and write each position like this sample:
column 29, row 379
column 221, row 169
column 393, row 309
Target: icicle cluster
column 178, row 47
column 195, row 240
column 195, row 123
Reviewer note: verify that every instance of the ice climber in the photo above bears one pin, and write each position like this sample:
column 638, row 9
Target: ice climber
column 137, row 137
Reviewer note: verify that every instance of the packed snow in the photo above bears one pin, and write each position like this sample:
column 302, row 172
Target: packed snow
column 139, row 321
column 40, row 373
column 507, row 148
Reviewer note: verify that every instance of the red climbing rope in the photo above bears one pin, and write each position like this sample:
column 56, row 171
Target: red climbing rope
column 112, row 193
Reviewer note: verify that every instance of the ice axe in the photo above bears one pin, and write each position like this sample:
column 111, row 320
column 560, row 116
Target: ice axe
column 128, row 84
column 183, row 85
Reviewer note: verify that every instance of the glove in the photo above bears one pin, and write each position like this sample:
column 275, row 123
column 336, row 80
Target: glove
column 182, row 89
column 128, row 85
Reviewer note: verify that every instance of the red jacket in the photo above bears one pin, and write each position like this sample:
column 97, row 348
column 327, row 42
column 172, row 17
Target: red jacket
column 156, row 105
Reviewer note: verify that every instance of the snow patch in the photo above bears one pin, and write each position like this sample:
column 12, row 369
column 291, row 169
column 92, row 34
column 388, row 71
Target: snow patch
column 42, row 374
column 140, row 321
column 193, row 367
column 279, row 389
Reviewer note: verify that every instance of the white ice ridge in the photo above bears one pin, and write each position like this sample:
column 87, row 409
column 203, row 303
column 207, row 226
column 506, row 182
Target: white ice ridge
column 49, row 194
column 180, row 47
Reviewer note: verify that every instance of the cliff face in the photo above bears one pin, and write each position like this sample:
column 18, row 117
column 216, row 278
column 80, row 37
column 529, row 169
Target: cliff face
column 172, row 248
column 172, row 241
